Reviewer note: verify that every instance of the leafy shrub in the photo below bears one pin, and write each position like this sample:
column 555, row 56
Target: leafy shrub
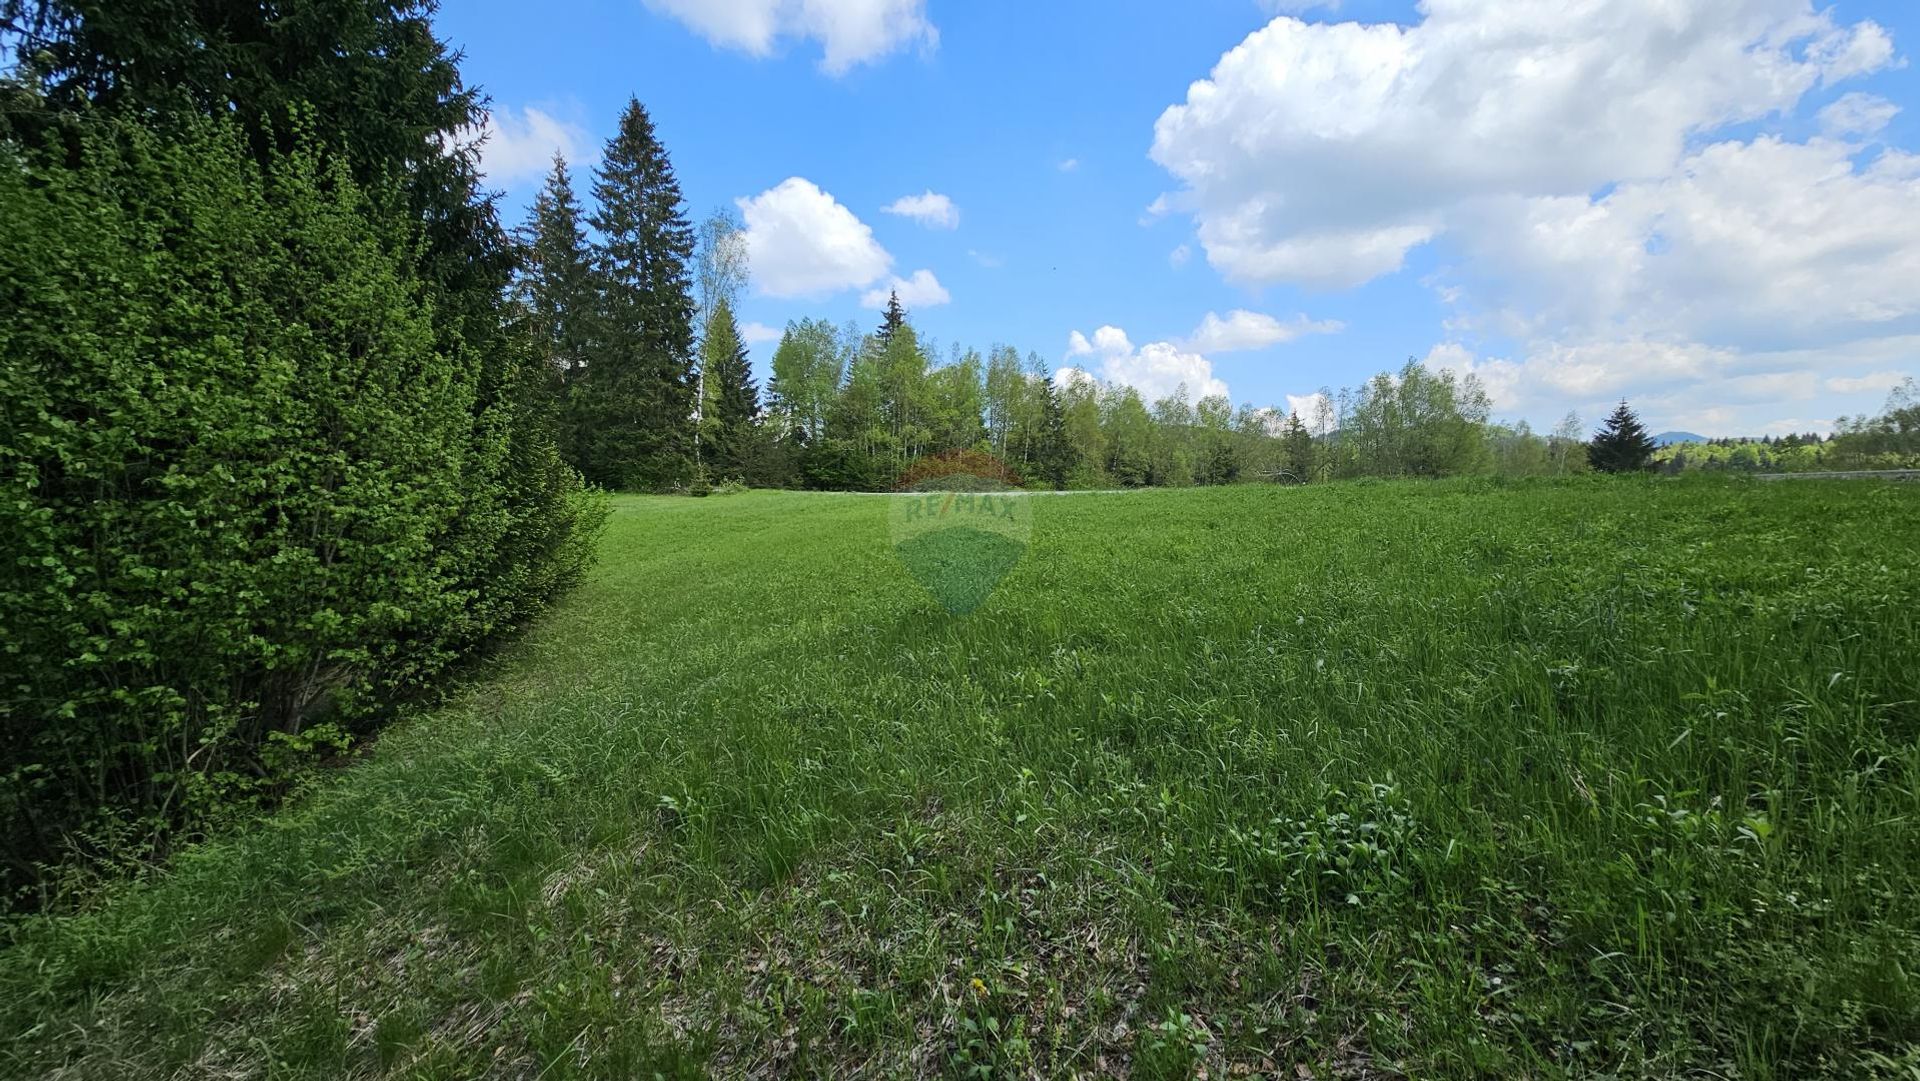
column 245, row 492
column 959, row 470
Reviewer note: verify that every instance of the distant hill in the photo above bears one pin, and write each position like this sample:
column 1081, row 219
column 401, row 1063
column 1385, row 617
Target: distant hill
column 1667, row 439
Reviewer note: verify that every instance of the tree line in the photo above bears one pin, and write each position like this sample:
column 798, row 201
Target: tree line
column 1889, row 439
column 852, row 410
column 846, row 408
column 633, row 310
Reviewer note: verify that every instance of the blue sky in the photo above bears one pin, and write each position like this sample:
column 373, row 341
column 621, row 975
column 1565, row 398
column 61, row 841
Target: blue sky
column 1705, row 205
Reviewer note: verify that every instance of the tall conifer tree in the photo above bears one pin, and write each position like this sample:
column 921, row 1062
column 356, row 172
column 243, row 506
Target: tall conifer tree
column 556, row 280
column 732, row 410
column 890, row 323
column 640, row 380
column 1056, row 454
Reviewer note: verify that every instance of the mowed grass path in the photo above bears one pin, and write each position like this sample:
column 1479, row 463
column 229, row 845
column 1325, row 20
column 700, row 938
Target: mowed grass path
column 1442, row 780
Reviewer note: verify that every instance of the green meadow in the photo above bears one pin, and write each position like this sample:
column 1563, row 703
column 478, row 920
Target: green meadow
column 1592, row 778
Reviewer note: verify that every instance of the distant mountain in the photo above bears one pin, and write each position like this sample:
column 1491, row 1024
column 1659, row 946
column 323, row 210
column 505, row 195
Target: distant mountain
column 1667, row 439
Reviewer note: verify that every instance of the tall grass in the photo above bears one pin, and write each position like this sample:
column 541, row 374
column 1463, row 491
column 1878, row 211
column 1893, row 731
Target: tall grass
column 1438, row 780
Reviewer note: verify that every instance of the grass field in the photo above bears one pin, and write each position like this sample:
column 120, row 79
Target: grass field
column 1441, row 780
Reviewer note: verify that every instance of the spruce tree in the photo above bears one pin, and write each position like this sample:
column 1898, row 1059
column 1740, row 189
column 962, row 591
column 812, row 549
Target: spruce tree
column 732, row 410
column 890, row 323
column 1622, row 444
column 1056, row 455
column 639, row 382
column 1299, row 449
column 556, row 281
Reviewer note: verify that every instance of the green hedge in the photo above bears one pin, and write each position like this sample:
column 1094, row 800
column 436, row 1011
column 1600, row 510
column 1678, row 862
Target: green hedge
column 245, row 495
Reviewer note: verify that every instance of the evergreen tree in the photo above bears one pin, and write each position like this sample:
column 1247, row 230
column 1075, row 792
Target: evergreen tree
column 364, row 80
column 732, row 411
column 1622, row 444
column 556, row 281
column 1055, row 454
column 1299, row 449
column 636, row 427
column 890, row 323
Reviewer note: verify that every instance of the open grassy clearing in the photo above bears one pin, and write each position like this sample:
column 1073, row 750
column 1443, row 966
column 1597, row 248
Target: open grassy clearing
column 1587, row 779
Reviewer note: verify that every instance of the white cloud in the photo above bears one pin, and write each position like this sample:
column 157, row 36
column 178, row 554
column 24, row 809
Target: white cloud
column 1766, row 244
column 985, row 259
column 1242, row 329
column 933, row 210
column 1759, row 273
column 1864, row 49
column 1322, row 153
column 1156, row 369
column 922, row 290
column 1069, row 165
column 1872, row 382
column 1307, row 406
column 850, row 32
column 1580, row 171
column 522, row 147
column 760, row 333
column 1795, row 426
column 1070, row 376
column 802, row 243
column 1587, row 372
column 1179, row 256
column 1857, row 114
column 1711, row 390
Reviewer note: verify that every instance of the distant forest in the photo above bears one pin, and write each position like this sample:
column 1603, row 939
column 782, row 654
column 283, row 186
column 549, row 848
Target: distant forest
column 1888, row 440
column 634, row 311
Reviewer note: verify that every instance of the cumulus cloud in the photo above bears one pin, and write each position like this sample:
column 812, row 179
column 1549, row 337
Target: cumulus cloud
column 518, row 148
column 931, row 209
column 922, row 290
column 1760, row 244
column 1597, row 202
column 760, row 333
column 1074, row 376
column 801, row 242
column 1156, row 369
column 1716, row 391
column 1586, row 372
column 1321, row 154
column 1179, row 256
column 850, row 32
column 1307, row 406
column 1754, row 275
column 1240, row 329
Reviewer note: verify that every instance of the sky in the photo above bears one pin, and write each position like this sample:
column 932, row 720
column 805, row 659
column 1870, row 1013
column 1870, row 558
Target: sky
column 1709, row 207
